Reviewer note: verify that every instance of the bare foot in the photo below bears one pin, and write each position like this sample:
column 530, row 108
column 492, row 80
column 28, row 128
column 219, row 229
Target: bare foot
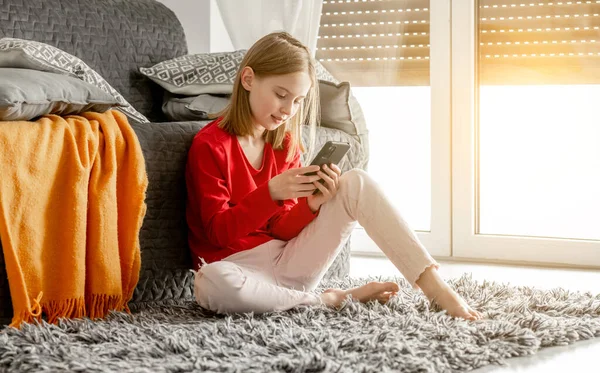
column 436, row 289
column 379, row 291
column 455, row 305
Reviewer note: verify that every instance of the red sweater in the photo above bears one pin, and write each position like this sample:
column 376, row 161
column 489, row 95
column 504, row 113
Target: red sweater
column 229, row 206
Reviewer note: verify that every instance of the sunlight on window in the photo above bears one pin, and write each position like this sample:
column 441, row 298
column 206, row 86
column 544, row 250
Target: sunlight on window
column 540, row 160
column 399, row 124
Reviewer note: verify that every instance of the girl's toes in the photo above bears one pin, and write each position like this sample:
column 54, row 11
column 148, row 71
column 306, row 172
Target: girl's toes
column 392, row 286
column 475, row 314
column 387, row 286
column 384, row 297
column 465, row 314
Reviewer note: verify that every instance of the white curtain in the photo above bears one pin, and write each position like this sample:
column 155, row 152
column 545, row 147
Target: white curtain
column 247, row 21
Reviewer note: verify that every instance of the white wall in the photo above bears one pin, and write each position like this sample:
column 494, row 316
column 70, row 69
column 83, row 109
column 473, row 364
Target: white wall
column 202, row 24
column 194, row 16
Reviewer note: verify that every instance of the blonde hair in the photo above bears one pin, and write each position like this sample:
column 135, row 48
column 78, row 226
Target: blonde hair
column 277, row 53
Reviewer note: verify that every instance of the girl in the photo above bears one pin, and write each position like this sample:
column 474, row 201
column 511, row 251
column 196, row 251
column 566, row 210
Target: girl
column 260, row 239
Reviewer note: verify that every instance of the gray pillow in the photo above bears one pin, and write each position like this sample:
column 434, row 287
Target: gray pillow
column 28, row 54
column 340, row 109
column 193, row 107
column 26, row 94
column 195, row 74
column 212, row 73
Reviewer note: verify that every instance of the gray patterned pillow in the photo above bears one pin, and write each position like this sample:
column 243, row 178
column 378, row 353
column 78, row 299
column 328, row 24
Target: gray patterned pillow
column 322, row 73
column 196, row 74
column 199, row 77
column 210, row 73
column 27, row 94
column 27, row 54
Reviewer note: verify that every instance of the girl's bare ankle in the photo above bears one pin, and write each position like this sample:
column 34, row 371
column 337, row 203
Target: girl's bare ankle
column 431, row 283
column 332, row 297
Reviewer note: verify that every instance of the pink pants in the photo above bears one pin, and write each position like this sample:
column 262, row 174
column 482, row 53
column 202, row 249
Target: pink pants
column 279, row 275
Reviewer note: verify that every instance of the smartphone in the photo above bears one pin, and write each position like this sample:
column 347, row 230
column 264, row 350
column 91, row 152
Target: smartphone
column 331, row 152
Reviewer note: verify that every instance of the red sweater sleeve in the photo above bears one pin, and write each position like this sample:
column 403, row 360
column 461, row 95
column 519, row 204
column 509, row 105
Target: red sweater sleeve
column 293, row 216
column 225, row 224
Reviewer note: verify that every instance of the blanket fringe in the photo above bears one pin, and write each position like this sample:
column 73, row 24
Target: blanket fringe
column 100, row 304
column 97, row 306
column 69, row 308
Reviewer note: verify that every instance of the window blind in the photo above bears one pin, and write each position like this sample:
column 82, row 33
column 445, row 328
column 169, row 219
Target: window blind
column 539, row 42
column 375, row 42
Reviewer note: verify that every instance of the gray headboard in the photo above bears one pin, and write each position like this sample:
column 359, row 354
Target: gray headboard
column 114, row 37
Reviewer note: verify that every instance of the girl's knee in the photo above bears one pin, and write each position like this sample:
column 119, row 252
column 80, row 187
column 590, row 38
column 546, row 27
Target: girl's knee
column 354, row 180
column 354, row 175
column 223, row 275
column 217, row 283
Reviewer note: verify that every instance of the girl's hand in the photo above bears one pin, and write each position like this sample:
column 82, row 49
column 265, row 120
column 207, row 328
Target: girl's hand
column 293, row 183
column 331, row 176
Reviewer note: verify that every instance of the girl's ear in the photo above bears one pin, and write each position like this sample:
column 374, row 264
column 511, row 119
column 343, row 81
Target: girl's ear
column 247, row 78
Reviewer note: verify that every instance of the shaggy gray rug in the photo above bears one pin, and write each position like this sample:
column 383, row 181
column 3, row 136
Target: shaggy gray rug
column 405, row 335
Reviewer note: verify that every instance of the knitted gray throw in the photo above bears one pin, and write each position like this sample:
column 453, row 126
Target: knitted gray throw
column 405, row 335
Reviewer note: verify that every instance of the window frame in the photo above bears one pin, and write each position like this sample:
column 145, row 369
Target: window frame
column 438, row 239
column 467, row 242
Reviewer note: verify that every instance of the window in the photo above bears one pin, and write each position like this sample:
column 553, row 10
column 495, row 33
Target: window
column 525, row 131
column 382, row 47
column 539, row 118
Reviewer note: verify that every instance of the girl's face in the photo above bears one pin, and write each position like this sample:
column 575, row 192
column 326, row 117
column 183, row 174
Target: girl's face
column 275, row 99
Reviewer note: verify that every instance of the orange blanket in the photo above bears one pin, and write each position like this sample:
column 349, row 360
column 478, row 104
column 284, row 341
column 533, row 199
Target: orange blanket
column 72, row 196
